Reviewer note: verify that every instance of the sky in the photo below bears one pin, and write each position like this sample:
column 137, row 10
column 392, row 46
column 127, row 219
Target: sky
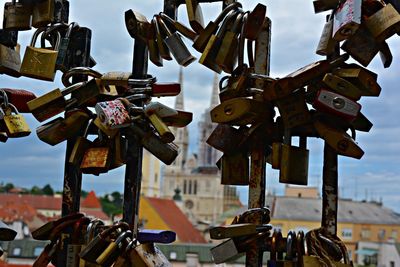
column 295, row 34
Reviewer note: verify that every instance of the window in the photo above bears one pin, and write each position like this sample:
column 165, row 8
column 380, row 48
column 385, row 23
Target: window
column 381, row 234
column 195, row 187
column 16, row 252
column 190, row 187
column 391, row 263
column 156, row 177
column 394, row 234
column 172, row 255
column 365, row 234
column 184, row 186
column 208, row 185
column 347, row 233
column 37, row 251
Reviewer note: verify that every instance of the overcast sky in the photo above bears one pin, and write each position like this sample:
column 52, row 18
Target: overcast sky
column 295, row 34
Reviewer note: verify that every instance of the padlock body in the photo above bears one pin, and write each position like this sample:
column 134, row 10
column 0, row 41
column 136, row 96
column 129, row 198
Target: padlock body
column 179, row 50
column 15, row 125
column 294, row 165
column 39, row 63
column 235, row 169
column 42, row 13
column 384, row 23
column 17, row 16
column 10, row 61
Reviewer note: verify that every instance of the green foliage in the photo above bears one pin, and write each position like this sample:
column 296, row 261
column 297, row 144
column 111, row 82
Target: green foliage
column 48, row 190
column 112, row 204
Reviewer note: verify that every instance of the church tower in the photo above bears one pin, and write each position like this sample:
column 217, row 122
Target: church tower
column 208, row 156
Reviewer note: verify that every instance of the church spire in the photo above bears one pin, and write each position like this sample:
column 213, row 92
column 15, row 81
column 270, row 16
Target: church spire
column 179, row 98
column 215, row 92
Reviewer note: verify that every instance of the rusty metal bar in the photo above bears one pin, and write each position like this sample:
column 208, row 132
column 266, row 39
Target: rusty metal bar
column 133, row 171
column 330, row 190
column 257, row 188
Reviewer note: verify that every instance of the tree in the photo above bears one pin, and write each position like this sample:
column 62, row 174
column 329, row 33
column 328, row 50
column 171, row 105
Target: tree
column 35, row 190
column 47, row 190
column 8, row 187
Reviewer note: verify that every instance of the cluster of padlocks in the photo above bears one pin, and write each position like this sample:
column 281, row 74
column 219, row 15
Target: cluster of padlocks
column 117, row 108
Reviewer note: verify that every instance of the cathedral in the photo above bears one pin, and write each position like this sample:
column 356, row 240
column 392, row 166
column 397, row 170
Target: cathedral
column 195, row 179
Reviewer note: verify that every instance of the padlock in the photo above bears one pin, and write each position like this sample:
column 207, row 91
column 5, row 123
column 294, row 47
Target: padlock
column 74, row 248
column 43, row 13
column 224, row 251
column 326, row 44
column 181, row 119
column 362, row 46
column 235, row 168
column 17, row 16
column 255, row 21
column 155, row 111
column 156, row 236
column 14, row 123
column 283, row 87
column 339, row 140
column 195, row 15
column 290, row 256
column 240, row 111
column 120, row 151
column 61, row 11
column 111, row 133
column 208, row 57
column 342, row 86
column 336, row 104
column 44, row 231
column 238, row 83
column 19, row 98
column 237, row 230
column 89, row 234
column 275, row 259
column 59, row 129
column 61, row 63
column 80, row 146
column 40, row 63
column 113, row 114
column 202, row 39
column 148, row 254
column 162, row 47
column 78, row 53
column 8, row 38
column 361, row 123
column 294, row 161
column 53, row 102
column 293, row 109
column 47, row 254
column 167, row 153
column 259, row 215
column 10, row 61
column 137, row 25
column 385, row 54
column 324, row 5
column 154, row 53
column 110, row 254
column 6, row 233
column 362, row 78
column 97, row 158
column 176, row 46
column 225, row 138
column 384, row 23
column 346, row 19
column 226, row 56
column 185, row 31
column 100, row 242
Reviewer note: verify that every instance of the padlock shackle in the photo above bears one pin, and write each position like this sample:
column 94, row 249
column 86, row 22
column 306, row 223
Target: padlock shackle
column 79, row 71
column 187, row 32
column 241, row 41
column 225, row 12
column 228, row 19
column 5, row 101
column 164, row 27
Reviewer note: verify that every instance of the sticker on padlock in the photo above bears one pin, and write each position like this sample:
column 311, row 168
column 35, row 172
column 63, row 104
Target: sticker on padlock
column 113, row 114
column 97, row 158
column 17, row 16
column 40, row 63
column 337, row 105
column 346, row 19
column 14, row 123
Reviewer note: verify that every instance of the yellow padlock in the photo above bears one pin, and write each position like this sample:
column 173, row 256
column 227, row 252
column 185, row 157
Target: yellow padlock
column 14, row 123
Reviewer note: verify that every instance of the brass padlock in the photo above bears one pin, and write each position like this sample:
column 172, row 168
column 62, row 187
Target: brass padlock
column 92, row 92
column 80, row 146
column 324, row 5
column 120, row 151
column 43, row 13
column 208, row 57
column 346, row 19
column 326, row 44
column 384, row 23
column 110, row 254
column 195, row 15
column 225, row 138
column 107, row 131
column 342, row 86
column 293, row 109
column 162, row 47
column 137, row 25
column 97, row 158
column 235, row 168
column 361, row 123
column 14, row 123
column 339, row 140
column 255, row 21
column 10, row 61
column 17, row 16
column 40, row 63
column 59, row 129
column 200, row 42
column 154, row 52
column 364, row 79
column 153, row 111
column 362, row 46
column 148, row 254
column 294, row 162
column 176, row 46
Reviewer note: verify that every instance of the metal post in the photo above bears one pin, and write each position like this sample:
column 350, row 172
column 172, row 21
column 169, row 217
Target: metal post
column 133, row 171
column 254, row 256
column 330, row 190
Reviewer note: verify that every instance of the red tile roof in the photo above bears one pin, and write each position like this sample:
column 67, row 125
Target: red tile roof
column 36, row 201
column 17, row 211
column 91, row 201
column 176, row 220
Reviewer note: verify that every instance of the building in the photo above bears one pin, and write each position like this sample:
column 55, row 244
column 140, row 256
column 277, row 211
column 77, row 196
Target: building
column 150, row 175
column 196, row 176
column 368, row 229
